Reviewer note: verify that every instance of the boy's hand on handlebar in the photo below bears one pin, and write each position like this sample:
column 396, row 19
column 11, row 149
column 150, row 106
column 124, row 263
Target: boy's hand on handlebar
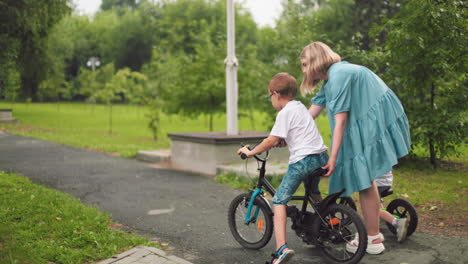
column 330, row 166
column 244, row 150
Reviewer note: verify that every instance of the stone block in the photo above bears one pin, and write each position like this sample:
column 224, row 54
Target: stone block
column 6, row 116
column 203, row 152
column 154, row 156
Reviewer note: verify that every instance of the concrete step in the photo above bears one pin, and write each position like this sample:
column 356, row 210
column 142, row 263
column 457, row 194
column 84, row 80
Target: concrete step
column 154, row 156
column 248, row 168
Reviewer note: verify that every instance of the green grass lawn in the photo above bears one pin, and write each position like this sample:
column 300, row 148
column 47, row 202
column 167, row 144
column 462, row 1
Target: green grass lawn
column 40, row 225
column 86, row 126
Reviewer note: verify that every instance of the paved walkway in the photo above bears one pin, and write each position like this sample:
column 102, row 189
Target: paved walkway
column 186, row 211
column 144, row 255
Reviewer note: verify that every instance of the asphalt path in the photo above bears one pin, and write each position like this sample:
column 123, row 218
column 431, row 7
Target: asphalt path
column 186, row 211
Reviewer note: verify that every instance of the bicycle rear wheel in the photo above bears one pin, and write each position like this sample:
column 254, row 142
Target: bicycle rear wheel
column 403, row 209
column 258, row 232
column 339, row 226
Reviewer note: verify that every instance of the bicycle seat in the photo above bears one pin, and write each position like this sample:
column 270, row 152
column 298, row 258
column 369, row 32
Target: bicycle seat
column 385, row 191
column 316, row 173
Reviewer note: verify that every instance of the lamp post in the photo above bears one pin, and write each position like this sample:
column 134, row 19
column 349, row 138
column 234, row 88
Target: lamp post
column 231, row 73
column 93, row 62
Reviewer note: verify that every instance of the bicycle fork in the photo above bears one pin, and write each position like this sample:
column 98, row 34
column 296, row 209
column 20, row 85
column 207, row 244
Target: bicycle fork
column 248, row 217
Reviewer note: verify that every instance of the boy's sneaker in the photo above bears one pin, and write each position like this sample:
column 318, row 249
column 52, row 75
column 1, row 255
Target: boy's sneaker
column 401, row 228
column 285, row 256
column 282, row 255
column 372, row 248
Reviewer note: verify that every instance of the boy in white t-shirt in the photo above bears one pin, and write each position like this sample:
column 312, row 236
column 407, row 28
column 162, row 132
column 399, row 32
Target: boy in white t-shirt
column 296, row 127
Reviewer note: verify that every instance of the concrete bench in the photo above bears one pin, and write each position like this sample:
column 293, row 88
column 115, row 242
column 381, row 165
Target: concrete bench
column 204, row 152
column 6, row 116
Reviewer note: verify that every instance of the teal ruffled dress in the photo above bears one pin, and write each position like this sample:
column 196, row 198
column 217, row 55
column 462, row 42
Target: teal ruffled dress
column 377, row 130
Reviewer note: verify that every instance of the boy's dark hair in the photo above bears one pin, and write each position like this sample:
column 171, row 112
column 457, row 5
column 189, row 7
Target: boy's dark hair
column 284, row 84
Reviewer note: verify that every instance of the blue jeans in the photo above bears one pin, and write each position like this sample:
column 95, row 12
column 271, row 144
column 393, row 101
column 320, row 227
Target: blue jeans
column 296, row 174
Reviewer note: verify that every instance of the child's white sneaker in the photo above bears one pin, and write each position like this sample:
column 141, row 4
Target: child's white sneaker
column 401, row 226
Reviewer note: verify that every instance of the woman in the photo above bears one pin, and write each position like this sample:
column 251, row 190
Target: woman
column 369, row 129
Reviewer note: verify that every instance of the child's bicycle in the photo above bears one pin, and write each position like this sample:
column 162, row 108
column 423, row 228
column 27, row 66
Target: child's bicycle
column 328, row 225
column 399, row 208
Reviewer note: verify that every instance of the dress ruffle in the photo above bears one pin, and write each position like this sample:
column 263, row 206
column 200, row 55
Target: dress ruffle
column 371, row 145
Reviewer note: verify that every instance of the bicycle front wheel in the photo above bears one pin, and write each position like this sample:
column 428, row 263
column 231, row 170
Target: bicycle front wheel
column 257, row 233
column 339, row 225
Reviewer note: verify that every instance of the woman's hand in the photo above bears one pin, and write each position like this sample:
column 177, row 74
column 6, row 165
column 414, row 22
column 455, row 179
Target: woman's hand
column 330, row 166
column 244, row 150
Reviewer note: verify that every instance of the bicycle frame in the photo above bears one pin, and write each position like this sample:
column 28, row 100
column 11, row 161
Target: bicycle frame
column 263, row 183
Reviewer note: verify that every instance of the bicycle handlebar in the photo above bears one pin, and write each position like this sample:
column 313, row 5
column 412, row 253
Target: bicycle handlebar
column 244, row 156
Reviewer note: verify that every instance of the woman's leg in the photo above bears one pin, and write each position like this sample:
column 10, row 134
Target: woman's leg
column 370, row 206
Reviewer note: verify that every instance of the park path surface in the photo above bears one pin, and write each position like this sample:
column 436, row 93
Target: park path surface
column 186, row 211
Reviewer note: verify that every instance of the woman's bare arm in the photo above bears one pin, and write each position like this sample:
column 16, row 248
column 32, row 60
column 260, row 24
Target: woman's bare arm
column 338, row 131
column 315, row 110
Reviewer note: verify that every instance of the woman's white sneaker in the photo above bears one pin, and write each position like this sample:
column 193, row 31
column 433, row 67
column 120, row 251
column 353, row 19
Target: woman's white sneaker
column 373, row 249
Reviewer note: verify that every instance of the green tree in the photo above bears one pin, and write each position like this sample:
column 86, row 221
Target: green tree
column 254, row 76
column 109, row 4
column 426, row 65
column 87, row 83
column 24, row 26
column 10, row 84
column 113, row 87
column 187, row 66
column 368, row 13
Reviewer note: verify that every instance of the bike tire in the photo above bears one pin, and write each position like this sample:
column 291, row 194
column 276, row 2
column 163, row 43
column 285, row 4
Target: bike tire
column 253, row 235
column 332, row 236
column 402, row 208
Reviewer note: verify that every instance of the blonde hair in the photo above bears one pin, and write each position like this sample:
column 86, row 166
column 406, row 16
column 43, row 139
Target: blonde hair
column 319, row 57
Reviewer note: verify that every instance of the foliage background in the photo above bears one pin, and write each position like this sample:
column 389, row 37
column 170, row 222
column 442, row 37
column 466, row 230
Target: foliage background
column 169, row 55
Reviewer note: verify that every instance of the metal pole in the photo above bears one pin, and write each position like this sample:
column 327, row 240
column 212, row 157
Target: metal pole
column 231, row 72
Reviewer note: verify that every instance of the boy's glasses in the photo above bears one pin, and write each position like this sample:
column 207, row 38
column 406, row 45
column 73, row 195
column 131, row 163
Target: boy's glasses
column 269, row 98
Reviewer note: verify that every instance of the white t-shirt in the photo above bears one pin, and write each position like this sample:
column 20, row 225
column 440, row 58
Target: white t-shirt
column 297, row 127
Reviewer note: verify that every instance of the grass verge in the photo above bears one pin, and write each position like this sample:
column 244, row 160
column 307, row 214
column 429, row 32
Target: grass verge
column 87, row 126
column 40, row 225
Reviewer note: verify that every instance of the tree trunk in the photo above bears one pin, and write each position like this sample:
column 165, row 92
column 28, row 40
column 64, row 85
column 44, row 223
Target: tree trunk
column 251, row 115
column 29, row 87
column 211, row 121
column 432, row 151
column 212, row 100
column 110, row 119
